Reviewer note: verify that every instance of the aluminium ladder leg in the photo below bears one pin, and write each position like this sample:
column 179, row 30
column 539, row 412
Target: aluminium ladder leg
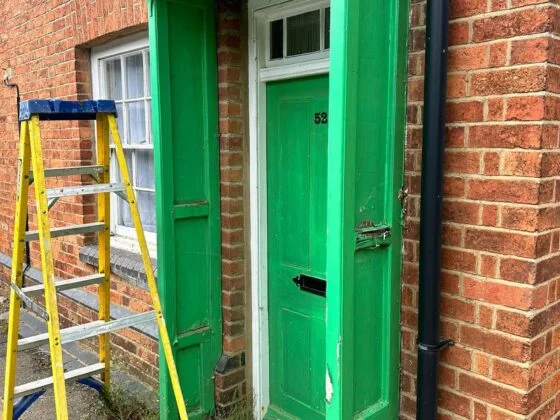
column 164, row 336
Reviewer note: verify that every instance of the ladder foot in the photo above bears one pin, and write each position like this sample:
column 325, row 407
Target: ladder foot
column 24, row 403
column 92, row 383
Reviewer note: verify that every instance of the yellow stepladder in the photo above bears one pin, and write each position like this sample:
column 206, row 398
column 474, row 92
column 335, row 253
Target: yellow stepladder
column 31, row 170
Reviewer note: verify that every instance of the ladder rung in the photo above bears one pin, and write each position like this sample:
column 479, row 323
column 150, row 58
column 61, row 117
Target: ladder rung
column 84, row 190
column 60, row 285
column 72, row 170
column 67, row 230
column 91, row 329
column 43, row 384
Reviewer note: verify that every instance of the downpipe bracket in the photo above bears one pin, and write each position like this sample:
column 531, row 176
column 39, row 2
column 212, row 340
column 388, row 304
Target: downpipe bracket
column 437, row 347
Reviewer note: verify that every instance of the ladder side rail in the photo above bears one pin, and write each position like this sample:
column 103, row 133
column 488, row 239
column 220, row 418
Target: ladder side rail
column 53, row 326
column 17, row 271
column 104, row 216
column 163, row 334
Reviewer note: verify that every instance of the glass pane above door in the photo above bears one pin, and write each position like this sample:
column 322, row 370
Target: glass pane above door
column 303, row 33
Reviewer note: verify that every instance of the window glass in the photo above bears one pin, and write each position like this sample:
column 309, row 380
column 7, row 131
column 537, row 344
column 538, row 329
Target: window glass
column 126, row 80
column 276, row 39
column 137, row 122
column 303, row 33
column 113, row 78
column 327, row 28
column 134, row 76
column 145, row 176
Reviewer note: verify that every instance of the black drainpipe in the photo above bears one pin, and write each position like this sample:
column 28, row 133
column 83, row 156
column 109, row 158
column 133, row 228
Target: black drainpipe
column 435, row 85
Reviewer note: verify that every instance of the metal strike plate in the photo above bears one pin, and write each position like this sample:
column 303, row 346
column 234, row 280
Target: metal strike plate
column 369, row 236
column 311, row 285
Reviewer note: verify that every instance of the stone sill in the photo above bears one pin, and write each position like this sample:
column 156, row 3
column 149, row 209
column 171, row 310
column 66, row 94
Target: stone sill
column 124, row 264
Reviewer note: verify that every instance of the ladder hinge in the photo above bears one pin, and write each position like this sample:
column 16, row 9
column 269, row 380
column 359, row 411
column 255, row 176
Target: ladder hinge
column 369, row 235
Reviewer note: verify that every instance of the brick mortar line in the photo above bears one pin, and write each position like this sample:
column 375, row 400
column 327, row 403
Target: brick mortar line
column 486, row 403
column 497, row 229
column 500, row 204
column 497, row 13
column 505, row 335
column 499, row 123
column 538, row 180
column 480, row 98
column 544, row 404
column 536, row 233
column 525, row 259
column 496, row 41
column 529, row 313
column 523, row 365
column 507, row 386
column 527, row 364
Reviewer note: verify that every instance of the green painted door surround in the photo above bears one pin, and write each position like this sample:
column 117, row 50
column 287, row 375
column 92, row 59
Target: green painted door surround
column 297, row 228
column 366, row 122
column 365, row 172
column 186, row 150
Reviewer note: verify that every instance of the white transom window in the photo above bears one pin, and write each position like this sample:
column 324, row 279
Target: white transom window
column 295, row 33
column 121, row 71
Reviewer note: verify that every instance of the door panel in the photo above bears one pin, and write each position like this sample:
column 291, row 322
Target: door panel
column 296, row 190
column 184, row 90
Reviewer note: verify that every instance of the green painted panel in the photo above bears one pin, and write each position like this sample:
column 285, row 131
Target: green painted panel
column 365, row 158
column 296, row 186
column 184, row 90
column 192, row 243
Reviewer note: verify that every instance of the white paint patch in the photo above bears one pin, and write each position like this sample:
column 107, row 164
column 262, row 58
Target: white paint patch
column 328, row 387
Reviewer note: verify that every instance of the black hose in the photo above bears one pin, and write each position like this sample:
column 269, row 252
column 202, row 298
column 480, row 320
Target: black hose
column 435, row 86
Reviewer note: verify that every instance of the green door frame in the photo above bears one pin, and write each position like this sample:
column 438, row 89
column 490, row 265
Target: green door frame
column 366, row 127
column 186, row 154
column 366, row 147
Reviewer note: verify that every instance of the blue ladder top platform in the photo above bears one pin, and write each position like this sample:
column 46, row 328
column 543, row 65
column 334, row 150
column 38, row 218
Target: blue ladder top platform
column 56, row 109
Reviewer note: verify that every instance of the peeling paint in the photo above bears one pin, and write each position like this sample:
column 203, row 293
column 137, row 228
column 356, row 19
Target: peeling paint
column 328, row 386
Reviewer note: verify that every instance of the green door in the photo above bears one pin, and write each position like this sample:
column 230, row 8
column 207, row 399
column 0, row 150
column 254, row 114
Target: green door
column 296, row 190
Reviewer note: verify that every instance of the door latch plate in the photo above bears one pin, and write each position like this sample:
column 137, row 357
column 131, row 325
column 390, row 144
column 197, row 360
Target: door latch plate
column 370, row 236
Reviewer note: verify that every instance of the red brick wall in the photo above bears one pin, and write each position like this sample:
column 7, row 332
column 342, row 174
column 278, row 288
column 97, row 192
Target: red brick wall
column 232, row 78
column 501, row 289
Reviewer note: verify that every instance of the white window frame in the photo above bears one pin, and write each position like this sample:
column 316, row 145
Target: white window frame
column 121, row 236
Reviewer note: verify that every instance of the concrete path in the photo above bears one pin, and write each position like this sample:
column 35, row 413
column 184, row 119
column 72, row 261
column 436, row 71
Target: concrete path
column 83, row 402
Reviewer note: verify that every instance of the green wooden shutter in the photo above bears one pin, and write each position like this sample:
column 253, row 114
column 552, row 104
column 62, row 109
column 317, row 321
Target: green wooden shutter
column 184, row 94
column 366, row 139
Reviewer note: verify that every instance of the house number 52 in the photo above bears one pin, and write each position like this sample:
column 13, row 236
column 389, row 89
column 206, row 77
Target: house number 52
column 321, row 118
